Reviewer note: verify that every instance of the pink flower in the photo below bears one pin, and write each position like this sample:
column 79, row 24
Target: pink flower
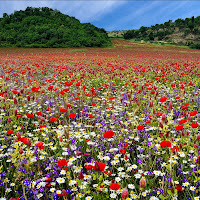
column 124, row 193
column 143, row 183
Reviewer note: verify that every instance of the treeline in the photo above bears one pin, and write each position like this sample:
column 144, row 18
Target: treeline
column 45, row 28
column 162, row 32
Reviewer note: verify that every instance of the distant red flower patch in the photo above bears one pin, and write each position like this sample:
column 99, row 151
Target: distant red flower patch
column 108, row 134
column 40, row 145
column 178, row 128
column 165, row 143
column 23, row 139
column 193, row 113
column 72, row 115
column 39, row 113
column 122, row 151
column 194, row 125
column 30, row 116
column 63, row 110
column 182, row 121
column 53, row 119
column 9, row 132
column 140, row 127
column 163, row 99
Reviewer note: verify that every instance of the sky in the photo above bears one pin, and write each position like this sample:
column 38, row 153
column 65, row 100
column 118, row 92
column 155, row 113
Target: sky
column 114, row 14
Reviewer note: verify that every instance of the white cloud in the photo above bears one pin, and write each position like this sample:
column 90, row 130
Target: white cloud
column 85, row 11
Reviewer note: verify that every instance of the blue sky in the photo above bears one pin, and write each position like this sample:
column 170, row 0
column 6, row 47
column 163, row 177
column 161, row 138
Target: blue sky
column 114, row 15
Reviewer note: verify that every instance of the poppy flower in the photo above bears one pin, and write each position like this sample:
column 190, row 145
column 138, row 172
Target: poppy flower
column 72, row 115
column 194, row 125
column 23, row 139
column 182, row 121
column 179, row 188
column 9, row 132
column 99, row 166
column 90, row 115
column 122, row 151
column 140, row 127
column 193, row 113
column 15, row 92
column 165, row 143
column 88, row 167
column 53, row 119
column 178, row 128
column 40, row 145
column 175, row 148
column 163, row 99
column 115, row 186
column 63, row 110
column 39, row 113
column 108, row 134
column 185, row 107
column 108, row 172
column 30, row 116
column 62, row 162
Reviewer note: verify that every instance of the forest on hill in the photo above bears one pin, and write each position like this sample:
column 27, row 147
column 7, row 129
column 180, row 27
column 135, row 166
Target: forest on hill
column 181, row 32
column 47, row 28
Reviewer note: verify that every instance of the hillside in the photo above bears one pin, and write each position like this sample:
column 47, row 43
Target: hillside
column 45, row 28
column 181, row 32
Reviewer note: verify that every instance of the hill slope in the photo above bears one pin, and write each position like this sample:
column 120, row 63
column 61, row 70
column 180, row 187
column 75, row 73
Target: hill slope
column 181, row 32
column 45, row 27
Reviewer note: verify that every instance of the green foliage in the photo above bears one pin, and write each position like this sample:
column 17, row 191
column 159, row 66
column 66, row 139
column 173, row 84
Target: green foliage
column 161, row 32
column 46, row 28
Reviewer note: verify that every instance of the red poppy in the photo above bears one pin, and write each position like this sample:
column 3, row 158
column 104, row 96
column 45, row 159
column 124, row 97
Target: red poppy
column 53, row 119
column 182, row 121
column 185, row 107
column 114, row 186
column 63, row 110
column 39, row 113
column 193, row 113
column 165, row 143
column 62, row 162
column 179, row 188
column 178, row 128
column 94, row 104
column 15, row 92
column 111, row 98
column 108, row 134
column 125, row 145
column 140, row 127
column 194, row 125
column 23, row 139
column 163, row 99
column 68, row 105
column 30, row 116
column 72, row 115
column 90, row 115
column 175, row 148
column 9, row 132
column 99, row 166
column 40, row 145
column 108, row 172
column 122, row 151
column 88, row 167
column 42, row 126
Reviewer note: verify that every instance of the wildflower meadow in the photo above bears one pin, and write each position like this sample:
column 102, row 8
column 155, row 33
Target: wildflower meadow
column 102, row 123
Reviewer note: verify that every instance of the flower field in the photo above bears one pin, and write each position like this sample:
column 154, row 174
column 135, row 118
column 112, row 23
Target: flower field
column 110, row 123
